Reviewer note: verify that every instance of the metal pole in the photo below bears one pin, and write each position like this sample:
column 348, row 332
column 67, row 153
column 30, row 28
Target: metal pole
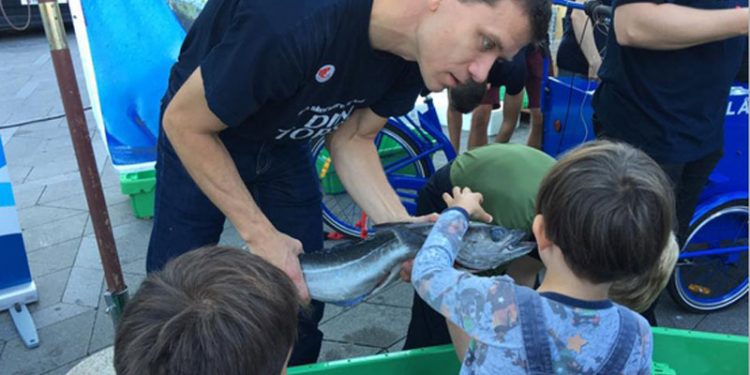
column 117, row 295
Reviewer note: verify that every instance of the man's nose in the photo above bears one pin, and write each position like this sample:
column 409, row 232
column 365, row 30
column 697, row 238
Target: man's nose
column 480, row 68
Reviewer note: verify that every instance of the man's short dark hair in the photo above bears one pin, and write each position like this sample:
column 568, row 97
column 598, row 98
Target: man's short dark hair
column 608, row 207
column 214, row 310
column 539, row 12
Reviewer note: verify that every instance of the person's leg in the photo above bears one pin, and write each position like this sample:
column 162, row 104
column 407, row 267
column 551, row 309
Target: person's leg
column 455, row 123
column 184, row 218
column 533, row 84
column 692, row 181
column 427, row 327
column 286, row 190
column 535, row 134
column 511, row 109
column 480, row 118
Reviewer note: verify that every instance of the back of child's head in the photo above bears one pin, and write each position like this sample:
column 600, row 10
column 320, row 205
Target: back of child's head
column 214, row 310
column 609, row 208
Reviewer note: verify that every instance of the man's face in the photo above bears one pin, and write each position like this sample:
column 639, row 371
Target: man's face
column 460, row 41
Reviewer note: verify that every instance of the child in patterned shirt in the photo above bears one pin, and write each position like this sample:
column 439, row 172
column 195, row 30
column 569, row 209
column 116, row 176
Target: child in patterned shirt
column 604, row 213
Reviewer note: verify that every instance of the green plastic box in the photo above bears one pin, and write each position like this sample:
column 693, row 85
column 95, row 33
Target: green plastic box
column 141, row 187
column 675, row 352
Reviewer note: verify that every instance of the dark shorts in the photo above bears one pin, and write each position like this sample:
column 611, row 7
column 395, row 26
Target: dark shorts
column 534, row 72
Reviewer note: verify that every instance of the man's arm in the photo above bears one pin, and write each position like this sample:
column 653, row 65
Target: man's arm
column 193, row 131
column 358, row 166
column 670, row 26
column 583, row 29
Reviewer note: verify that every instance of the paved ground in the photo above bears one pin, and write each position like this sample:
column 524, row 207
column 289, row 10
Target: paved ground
column 62, row 250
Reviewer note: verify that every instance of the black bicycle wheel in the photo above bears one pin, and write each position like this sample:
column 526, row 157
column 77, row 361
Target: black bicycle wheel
column 340, row 212
column 707, row 283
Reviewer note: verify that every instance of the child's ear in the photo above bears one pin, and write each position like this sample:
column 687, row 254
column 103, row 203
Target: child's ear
column 537, row 227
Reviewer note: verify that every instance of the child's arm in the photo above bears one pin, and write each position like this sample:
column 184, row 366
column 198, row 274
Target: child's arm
column 472, row 303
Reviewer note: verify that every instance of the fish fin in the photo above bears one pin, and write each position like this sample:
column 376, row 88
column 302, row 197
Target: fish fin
column 392, row 276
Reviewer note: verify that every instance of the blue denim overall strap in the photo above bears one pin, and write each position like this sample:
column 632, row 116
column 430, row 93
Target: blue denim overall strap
column 534, row 330
column 623, row 346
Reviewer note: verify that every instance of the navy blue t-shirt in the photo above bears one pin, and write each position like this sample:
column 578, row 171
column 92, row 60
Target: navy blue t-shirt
column 511, row 74
column 569, row 54
column 671, row 104
column 292, row 70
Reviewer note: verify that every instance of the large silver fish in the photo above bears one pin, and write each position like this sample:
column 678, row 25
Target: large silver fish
column 347, row 274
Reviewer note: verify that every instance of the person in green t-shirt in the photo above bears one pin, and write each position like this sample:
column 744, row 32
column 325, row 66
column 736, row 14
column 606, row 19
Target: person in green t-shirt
column 508, row 176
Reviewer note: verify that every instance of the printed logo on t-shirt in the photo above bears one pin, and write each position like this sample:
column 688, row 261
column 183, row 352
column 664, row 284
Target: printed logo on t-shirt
column 319, row 121
column 325, row 73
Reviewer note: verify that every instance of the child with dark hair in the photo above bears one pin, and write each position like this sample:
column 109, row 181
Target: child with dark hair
column 603, row 214
column 214, row 310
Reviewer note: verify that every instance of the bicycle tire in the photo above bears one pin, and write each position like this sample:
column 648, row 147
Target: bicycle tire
column 694, row 285
column 339, row 211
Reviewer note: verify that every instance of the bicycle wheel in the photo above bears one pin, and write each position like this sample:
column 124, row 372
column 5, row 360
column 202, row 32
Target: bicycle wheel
column 706, row 282
column 405, row 171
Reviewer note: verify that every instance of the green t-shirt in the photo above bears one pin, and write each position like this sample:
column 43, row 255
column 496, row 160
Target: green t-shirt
column 508, row 176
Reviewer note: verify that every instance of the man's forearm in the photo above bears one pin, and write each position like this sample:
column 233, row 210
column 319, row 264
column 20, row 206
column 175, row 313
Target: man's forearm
column 211, row 167
column 358, row 166
column 584, row 33
column 669, row 26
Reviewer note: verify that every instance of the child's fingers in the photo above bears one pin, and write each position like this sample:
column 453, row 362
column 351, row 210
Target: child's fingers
column 447, row 199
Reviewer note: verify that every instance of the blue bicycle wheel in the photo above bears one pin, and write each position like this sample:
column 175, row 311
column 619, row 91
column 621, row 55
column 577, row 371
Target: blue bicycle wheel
column 404, row 169
column 711, row 273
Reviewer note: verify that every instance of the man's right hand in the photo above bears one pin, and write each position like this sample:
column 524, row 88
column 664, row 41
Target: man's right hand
column 283, row 252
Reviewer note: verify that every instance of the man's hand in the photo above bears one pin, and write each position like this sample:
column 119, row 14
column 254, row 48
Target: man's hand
column 406, row 266
column 469, row 201
column 283, row 252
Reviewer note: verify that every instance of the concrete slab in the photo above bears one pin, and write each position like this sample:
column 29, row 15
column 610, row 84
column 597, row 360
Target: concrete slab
column 53, row 258
column 400, row 294
column 397, row 347
column 57, row 313
column 35, row 216
column 331, row 311
column 369, row 325
column 55, row 232
column 84, row 287
column 331, row 351
column 725, row 321
column 120, row 213
column 102, row 334
column 60, row 344
column 99, row 363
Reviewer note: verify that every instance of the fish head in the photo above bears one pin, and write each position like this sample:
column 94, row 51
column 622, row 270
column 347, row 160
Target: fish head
column 490, row 246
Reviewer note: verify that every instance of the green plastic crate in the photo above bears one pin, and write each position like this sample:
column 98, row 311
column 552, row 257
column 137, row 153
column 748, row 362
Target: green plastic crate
column 141, row 187
column 675, row 352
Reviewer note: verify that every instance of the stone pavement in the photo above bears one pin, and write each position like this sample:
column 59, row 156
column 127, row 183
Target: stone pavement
column 62, row 250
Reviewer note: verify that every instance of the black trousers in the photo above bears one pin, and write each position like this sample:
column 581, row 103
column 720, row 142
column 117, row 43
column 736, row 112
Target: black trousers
column 427, row 327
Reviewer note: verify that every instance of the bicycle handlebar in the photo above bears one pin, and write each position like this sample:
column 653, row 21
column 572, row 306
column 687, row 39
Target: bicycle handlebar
column 590, row 7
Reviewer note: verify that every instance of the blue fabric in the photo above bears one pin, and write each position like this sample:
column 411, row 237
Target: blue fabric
column 6, row 194
column 511, row 74
column 14, row 269
column 292, row 70
column 670, row 103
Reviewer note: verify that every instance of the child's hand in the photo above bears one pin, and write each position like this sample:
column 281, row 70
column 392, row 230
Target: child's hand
column 469, row 201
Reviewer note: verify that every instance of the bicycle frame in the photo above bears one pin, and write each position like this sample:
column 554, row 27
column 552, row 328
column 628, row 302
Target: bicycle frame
column 427, row 134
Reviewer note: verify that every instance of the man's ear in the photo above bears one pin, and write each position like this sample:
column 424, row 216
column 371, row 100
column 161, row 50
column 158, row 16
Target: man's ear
column 537, row 227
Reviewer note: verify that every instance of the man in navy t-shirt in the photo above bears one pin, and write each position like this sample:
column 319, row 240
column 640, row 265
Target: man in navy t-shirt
column 664, row 86
column 257, row 80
